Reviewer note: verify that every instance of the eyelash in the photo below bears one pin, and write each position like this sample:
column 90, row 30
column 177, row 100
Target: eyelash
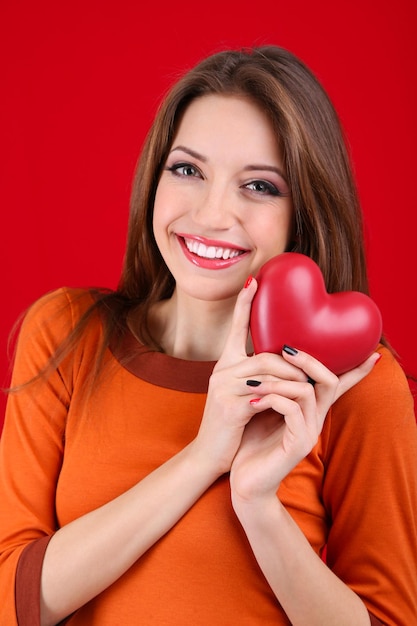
column 269, row 188
column 174, row 169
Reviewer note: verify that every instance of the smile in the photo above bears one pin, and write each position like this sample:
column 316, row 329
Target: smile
column 210, row 254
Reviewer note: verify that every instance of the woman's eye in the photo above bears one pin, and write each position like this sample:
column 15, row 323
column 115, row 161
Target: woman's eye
column 263, row 187
column 184, row 169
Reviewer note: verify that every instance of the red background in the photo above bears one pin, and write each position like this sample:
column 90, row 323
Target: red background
column 79, row 85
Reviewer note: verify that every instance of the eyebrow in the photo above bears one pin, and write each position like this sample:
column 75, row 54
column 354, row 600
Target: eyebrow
column 247, row 168
column 193, row 153
column 268, row 168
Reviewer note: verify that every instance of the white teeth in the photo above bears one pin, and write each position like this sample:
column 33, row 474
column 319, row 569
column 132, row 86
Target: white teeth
column 201, row 251
column 210, row 252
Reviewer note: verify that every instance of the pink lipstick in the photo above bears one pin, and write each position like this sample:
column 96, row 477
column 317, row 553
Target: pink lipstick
column 210, row 253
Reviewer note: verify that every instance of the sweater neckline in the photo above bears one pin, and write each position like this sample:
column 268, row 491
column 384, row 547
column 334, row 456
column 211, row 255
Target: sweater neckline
column 161, row 369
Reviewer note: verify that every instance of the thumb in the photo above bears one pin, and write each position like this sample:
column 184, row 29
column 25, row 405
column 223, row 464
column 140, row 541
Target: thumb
column 351, row 378
column 236, row 341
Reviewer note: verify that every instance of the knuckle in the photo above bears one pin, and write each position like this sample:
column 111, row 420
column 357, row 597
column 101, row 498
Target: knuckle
column 333, row 379
column 266, row 360
column 307, row 389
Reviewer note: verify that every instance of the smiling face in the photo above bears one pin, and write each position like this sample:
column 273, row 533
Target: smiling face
column 222, row 205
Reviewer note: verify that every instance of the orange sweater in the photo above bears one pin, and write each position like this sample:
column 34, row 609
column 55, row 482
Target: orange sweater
column 62, row 456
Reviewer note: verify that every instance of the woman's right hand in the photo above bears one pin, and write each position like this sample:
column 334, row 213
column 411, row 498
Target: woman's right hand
column 228, row 409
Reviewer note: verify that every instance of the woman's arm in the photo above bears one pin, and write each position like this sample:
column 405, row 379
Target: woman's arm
column 272, row 446
column 86, row 556
column 309, row 592
column 83, row 557
column 370, row 492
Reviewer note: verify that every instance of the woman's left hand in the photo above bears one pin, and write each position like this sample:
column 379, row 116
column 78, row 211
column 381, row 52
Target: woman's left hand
column 288, row 419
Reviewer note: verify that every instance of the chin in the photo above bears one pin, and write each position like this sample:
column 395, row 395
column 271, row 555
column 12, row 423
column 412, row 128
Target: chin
column 210, row 292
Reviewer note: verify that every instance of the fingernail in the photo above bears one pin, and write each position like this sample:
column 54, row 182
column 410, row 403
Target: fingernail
column 254, row 401
column 289, row 350
column 378, row 359
column 253, row 383
column 311, row 381
column 248, row 281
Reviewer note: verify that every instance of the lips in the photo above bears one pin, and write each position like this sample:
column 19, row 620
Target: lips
column 210, row 253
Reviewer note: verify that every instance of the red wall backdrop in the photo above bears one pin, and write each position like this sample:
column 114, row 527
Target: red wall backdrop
column 80, row 81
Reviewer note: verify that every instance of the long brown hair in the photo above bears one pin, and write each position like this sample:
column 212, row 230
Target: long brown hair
column 326, row 206
column 328, row 219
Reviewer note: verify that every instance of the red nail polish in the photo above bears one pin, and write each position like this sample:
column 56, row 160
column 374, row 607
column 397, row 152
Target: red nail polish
column 378, row 359
column 254, row 400
column 248, row 281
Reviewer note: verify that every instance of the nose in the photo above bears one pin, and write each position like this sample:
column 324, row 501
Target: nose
column 215, row 207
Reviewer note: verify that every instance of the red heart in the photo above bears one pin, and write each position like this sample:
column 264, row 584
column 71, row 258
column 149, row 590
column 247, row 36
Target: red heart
column 293, row 307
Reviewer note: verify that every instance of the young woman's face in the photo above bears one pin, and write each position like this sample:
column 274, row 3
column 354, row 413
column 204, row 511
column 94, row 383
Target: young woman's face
column 222, row 206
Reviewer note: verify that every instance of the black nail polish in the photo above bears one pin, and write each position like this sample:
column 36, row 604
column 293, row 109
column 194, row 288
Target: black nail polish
column 311, row 381
column 289, row 350
column 253, row 383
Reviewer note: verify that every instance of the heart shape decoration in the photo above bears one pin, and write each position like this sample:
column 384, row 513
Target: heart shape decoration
column 292, row 306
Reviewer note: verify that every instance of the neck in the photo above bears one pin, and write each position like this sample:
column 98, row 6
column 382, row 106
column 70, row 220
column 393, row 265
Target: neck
column 192, row 329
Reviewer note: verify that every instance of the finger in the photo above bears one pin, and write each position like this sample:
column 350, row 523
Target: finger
column 264, row 367
column 302, row 428
column 326, row 383
column 329, row 387
column 315, row 371
column 277, row 392
column 236, row 341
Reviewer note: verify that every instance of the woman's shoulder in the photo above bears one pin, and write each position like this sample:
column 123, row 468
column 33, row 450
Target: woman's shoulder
column 373, row 425
column 57, row 312
column 382, row 396
column 386, row 381
column 63, row 302
column 59, row 300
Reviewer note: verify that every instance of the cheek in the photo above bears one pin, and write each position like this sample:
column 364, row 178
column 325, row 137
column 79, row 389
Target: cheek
column 158, row 220
column 161, row 210
column 273, row 235
column 159, row 201
column 168, row 204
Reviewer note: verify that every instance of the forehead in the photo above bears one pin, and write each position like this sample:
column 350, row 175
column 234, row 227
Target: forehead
column 232, row 122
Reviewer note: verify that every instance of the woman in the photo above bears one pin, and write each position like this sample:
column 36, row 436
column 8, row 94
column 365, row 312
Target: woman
column 148, row 474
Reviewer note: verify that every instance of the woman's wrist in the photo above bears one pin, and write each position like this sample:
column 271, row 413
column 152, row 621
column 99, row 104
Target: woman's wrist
column 255, row 508
column 204, row 461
